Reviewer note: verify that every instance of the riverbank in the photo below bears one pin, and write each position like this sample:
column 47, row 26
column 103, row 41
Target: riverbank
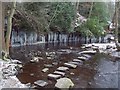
column 8, row 71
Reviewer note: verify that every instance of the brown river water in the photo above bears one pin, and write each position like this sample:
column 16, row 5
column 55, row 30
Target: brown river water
column 100, row 71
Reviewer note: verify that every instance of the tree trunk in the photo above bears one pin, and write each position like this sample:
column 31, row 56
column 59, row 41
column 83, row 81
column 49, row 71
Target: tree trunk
column 74, row 20
column 1, row 29
column 9, row 28
column 91, row 8
column 116, row 25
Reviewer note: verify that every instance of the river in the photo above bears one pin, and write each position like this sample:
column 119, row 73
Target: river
column 100, row 71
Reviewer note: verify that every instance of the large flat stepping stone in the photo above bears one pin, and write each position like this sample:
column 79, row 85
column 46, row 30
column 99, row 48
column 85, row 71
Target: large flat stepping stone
column 59, row 73
column 62, row 68
column 70, row 65
column 54, row 76
column 87, row 52
column 82, row 58
column 75, row 63
column 77, row 60
column 86, row 55
column 41, row 83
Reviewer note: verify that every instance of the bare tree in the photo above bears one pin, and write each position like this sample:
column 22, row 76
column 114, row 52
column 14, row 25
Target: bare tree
column 9, row 28
column 91, row 8
column 116, row 24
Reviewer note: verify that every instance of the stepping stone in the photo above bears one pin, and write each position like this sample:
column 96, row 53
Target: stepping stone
column 48, row 65
column 41, row 83
column 48, row 57
column 55, row 63
column 60, row 73
column 77, row 60
column 62, row 68
column 87, row 52
column 70, row 65
column 54, row 76
column 82, row 58
column 86, row 55
column 76, row 63
column 45, row 70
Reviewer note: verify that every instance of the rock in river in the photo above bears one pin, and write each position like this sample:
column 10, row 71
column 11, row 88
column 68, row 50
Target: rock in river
column 64, row 83
column 59, row 73
column 88, row 52
column 54, row 76
column 75, row 63
column 62, row 68
column 82, row 58
column 77, row 60
column 45, row 70
column 41, row 83
column 70, row 65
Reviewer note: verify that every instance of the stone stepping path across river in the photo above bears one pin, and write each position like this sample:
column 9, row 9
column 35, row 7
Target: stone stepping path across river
column 60, row 72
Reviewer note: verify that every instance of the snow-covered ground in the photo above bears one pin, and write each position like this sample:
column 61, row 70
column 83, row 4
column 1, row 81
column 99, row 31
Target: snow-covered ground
column 8, row 72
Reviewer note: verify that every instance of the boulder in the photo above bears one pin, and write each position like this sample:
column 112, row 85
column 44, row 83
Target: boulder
column 70, row 65
column 54, row 76
column 59, row 73
column 62, row 68
column 41, row 83
column 64, row 83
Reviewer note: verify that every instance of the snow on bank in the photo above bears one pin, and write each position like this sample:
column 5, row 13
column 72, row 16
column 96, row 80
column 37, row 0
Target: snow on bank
column 101, row 45
column 105, row 48
column 8, row 72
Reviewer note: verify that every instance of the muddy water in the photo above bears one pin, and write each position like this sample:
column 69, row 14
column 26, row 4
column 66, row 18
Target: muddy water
column 100, row 71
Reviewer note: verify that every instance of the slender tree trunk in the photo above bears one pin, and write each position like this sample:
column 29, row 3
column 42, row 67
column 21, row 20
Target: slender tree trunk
column 91, row 8
column 1, row 29
column 9, row 28
column 116, row 25
column 74, row 20
column 3, row 24
column 2, row 39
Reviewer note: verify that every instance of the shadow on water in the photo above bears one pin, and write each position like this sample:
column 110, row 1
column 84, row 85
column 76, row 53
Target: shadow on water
column 100, row 71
